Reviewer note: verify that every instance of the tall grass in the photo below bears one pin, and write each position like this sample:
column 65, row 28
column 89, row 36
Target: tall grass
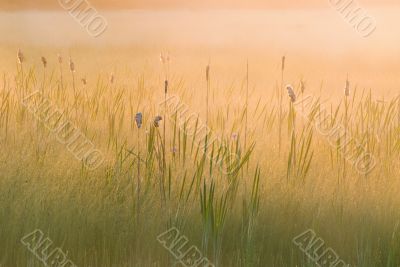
column 111, row 216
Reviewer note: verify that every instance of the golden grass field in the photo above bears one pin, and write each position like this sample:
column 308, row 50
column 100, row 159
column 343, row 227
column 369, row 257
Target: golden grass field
column 272, row 168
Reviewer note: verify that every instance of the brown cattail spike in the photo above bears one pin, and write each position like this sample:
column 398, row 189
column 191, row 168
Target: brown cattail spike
column 347, row 88
column 157, row 121
column 71, row 65
column 44, row 61
column 291, row 93
column 139, row 120
column 166, row 86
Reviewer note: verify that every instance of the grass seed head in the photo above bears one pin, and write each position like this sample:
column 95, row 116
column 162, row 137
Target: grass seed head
column 139, row 120
column 71, row 65
column 157, row 120
column 44, row 61
column 20, row 56
column 291, row 93
column 347, row 88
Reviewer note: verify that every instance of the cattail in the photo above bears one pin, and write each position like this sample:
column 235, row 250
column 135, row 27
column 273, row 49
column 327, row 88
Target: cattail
column 302, row 86
column 208, row 72
column 347, row 88
column 60, row 59
column 157, row 121
column 44, row 61
column 71, row 65
column 112, row 78
column 166, row 87
column 291, row 93
column 139, row 120
column 20, row 56
column 283, row 62
column 84, row 82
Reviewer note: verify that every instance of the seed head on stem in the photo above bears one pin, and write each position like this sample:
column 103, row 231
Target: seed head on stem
column 71, row 65
column 291, row 93
column 347, row 88
column 20, row 57
column 44, row 62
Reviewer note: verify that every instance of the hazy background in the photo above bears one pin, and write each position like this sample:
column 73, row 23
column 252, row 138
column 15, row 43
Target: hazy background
column 320, row 45
column 152, row 4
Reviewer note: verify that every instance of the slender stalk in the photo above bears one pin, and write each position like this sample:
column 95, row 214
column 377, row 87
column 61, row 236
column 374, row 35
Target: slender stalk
column 44, row 78
column 346, row 104
column 207, row 103
column 138, row 179
column 163, row 200
column 247, row 105
column 280, row 97
column 73, row 83
column 345, row 136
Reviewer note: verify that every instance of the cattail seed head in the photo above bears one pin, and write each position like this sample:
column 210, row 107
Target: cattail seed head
column 44, row 61
column 166, row 86
column 112, row 78
column 20, row 56
column 208, row 72
column 71, row 65
column 347, row 88
column 291, row 93
column 60, row 59
column 283, row 62
column 157, row 121
column 139, row 120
